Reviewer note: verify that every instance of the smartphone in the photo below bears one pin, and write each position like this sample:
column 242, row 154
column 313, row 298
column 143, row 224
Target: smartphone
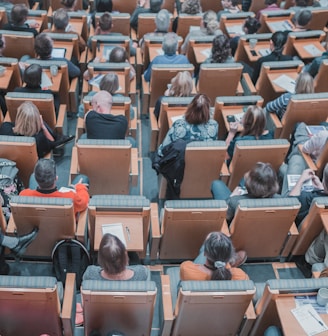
column 231, row 118
column 253, row 52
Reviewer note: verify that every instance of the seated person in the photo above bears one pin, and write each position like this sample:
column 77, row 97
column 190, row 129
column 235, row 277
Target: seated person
column 304, row 84
column 170, row 47
column 277, row 44
column 301, row 19
column 253, row 122
column 100, row 123
column 181, row 86
column 229, row 7
column 320, row 189
column 217, row 260
column 271, row 5
column 43, row 184
column 29, row 122
column 260, row 182
column 314, row 66
column 61, row 25
column 18, row 20
column 190, row 7
column 195, row 125
column 114, row 263
column 32, row 77
column 101, row 6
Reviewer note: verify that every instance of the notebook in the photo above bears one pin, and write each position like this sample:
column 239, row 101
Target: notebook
column 292, row 180
column 58, row 52
column 315, row 129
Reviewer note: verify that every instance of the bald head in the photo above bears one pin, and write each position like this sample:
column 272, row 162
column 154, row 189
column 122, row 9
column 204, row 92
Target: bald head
column 102, row 102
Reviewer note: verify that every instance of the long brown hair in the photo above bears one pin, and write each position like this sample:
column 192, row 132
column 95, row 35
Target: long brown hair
column 254, row 121
column 198, row 111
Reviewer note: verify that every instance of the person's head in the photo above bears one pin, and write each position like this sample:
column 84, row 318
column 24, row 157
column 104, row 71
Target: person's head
column 155, row 5
column 302, row 18
column 32, row 76
column 60, row 19
column 261, row 181
column 69, row 4
column 162, row 21
column 198, row 111
column 218, row 251
column 109, row 83
column 254, row 121
column 118, row 55
column 304, row 83
column 226, row 4
column 251, row 25
column 28, row 122
column 170, row 44
column 301, row 3
column 112, row 255
column 212, row 27
column 325, row 178
column 221, row 49
column 102, row 102
column 45, row 173
column 105, row 22
column 278, row 41
column 270, row 2
column 208, row 16
column 191, row 7
column 104, row 6
column 19, row 14
column 43, row 46
column 181, row 85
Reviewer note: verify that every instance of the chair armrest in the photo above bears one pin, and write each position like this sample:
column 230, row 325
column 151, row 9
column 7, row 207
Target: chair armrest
column 145, row 95
column 167, row 305
column 81, row 227
column 69, row 305
column 247, row 84
column 133, row 125
column 74, row 95
column 134, row 166
column 290, row 241
column 249, row 320
column 11, row 227
column 139, row 66
column 154, row 130
column 307, row 158
column 276, row 124
column 74, row 170
column 79, row 128
column 61, row 125
column 155, row 237
column 224, row 174
column 225, row 228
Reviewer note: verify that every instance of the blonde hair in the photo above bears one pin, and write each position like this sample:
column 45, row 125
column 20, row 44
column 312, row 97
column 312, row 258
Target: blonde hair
column 28, row 120
column 181, row 85
column 304, row 83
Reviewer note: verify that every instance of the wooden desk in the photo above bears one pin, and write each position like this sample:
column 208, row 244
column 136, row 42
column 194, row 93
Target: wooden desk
column 132, row 228
column 5, row 79
column 67, row 45
column 121, row 81
column 77, row 25
column 234, row 27
column 232, row 111
column 260, row 45
column 274, row 75
column 56, row 80
column 301, row 45
column 173, row 114
column 202, row 52
column 37, row 19
column 279, row 24
column 155, row 50
column 290, row 325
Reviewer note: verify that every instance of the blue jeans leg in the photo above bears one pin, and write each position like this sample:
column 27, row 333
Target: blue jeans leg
column 220, row 191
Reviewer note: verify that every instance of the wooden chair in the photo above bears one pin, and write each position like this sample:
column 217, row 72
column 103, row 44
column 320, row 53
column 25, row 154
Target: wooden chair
column 320, row 80
column 130, row 303
column 117, row 158
column 210, row 5
column 184, row 226
column 24, row 299
column 277, row 301
column 135, row 212
column 230, row 105
column 54, row 217
column 198, row 48
column 311, row 226
column 248, row 152
column 99, row 41
column 190, row 307
column 278, row 20
column 21, row 150
column 160, row 77
column 68, row 41
column 45, row 103
column 3, row 17
column 121, row 22
column 124, row 7
column 40, row 16
column 16, row 38
column 319, row 18
column 231, row 23
column 270, row 71
column 185, row 21
column 170, row 107
column 68, row 90
column 56, row 4
column 169, row 5
column 13, row 72
column 297, row 41
column 265, row 228
column 198, row 177
column 298, row 111
column 258, row 5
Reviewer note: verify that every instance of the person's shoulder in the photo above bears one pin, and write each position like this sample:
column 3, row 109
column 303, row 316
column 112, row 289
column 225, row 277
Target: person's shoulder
column 92, row 272
column 212, row 122
column 238, row 274
column 141, row 272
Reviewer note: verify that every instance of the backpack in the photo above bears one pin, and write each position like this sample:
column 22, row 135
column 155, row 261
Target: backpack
column 10, row 184
column 70, row 256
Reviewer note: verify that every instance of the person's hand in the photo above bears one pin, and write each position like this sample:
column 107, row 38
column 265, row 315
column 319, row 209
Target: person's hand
column 307, row 175
column 33, row 24
column 79, row 182
column 233, row 126
column 316, row 182
column 86, row 75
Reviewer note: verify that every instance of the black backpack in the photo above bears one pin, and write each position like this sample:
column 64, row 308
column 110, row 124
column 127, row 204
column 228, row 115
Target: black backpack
column 70, row 256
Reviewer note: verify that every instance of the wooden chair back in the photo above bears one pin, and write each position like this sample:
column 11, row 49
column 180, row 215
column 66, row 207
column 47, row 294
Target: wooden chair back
column 121, row 22
column 186, row 21
column 98, row 42
column 320, row 80
column 11, row 64
column 146, row 24
column 17, row 38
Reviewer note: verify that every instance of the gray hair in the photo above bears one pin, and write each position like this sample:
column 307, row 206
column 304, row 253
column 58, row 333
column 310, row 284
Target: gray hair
column 45, row 173
column 162, row 20
column 170, row 44
column 61, row 18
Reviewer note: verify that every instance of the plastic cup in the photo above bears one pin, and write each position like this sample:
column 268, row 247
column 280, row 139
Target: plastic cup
column 252, row 43
column 54, row 70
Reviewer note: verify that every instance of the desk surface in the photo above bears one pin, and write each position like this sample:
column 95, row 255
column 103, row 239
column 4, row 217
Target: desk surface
column 202, row 52
column 308, row 49
column 56, row 80
column 261, row 47
column 5, row 79
column 232, row 111
column 67, row 45
column 274, row 75
column 279, row 24
column 288, row 321
column 234, row 27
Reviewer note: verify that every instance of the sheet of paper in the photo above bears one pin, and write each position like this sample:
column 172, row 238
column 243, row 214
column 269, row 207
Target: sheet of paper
column 264, row 51
column 280, row 25
column 116, row 229
column 96, row 80
column 160, row 51
column 292, row 180
column 237, row 29
column 45, row 81
column 312, row 50
column 309, row 320
column 301, row 300
column 206, row 52
column 285, row 82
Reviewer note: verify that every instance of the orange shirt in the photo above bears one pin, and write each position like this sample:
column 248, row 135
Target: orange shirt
column 191, row 271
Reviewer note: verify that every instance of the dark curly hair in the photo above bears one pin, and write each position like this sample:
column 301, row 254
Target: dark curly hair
column 221, row 49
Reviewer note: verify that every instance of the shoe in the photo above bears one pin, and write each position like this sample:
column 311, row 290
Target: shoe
column 63, row 140
column 303, row 266
column 238, row 259
column 24, row 242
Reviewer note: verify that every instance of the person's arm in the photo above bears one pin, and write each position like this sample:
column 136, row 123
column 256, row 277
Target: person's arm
column 313, row 68
column 81, row 199
column 45, row 130
column 232, row 132
column 306, row 175
column 73, row 70
column 170, row 137
column 147, row 73
column 279, row 104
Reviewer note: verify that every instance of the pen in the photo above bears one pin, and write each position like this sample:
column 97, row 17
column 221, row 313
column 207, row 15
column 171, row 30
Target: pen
column 127, row 232
column 315, row 318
